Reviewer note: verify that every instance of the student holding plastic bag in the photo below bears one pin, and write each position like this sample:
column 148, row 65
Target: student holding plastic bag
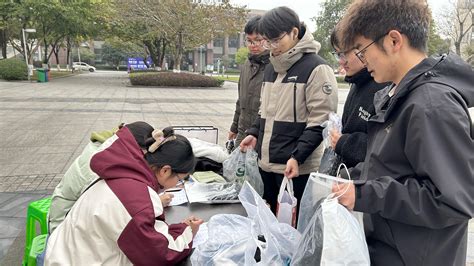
column 351, row 144
column 416, row 183
column 298, row 93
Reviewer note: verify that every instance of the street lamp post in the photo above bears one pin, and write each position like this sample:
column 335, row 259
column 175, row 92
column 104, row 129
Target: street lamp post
column 26, row 52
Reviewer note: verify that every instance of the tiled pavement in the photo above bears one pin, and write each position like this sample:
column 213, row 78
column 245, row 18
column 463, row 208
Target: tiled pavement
column 44, row 127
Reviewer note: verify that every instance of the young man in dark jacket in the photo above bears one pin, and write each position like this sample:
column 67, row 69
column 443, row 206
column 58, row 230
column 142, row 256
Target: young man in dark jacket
column 351, row 145
column 416, row 183
column 250, row 83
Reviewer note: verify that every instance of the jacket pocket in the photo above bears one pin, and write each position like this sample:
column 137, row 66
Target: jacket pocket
column 283, row 141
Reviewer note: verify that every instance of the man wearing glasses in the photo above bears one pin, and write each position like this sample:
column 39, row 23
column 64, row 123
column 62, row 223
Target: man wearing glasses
column 250, row 83
column 298, row 93
column 351, row 145
column 416, row 183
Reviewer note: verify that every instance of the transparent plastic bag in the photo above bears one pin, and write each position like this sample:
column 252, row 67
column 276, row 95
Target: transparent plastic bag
column 228, row 235
column 243, row 166
column 286, row 203
column 257, row 240
column 333, row 237
column 212, row 192
column 331, row 234
column 330, row 161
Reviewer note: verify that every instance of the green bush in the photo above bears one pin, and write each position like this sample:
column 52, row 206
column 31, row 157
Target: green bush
column 340, row 79
column 170, row 79
column 106, row 67
column 13, row 69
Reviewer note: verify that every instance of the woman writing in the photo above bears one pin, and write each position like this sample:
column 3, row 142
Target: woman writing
column 119, row 220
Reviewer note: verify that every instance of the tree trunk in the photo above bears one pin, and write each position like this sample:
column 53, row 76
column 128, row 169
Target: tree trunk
column 146, row 54
column 163, row 52
column 56, row 54
column 457, row 44
column 157, row 46
column 68, row 51
column 152, row 50
column 46, row 55
column 179, row 52
column 3, row 42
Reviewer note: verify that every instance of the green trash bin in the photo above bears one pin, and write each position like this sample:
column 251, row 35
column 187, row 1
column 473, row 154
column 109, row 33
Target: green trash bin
column 41, row 75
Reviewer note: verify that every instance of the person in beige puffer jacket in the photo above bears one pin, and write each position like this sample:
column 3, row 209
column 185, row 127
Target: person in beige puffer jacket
column 299, row 91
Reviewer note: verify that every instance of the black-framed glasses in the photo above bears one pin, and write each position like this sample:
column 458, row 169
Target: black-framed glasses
column 361, row 53
column 253, row 43
column 269, row 44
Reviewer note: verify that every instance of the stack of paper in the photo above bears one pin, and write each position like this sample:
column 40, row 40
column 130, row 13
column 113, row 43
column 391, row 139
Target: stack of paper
column 208, row 177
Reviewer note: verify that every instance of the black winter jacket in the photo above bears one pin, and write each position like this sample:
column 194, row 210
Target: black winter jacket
column 359, row 107
column 417, row 181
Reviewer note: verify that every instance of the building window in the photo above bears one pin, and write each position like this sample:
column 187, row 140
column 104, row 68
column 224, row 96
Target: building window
column 233, row 41
column 219, row 42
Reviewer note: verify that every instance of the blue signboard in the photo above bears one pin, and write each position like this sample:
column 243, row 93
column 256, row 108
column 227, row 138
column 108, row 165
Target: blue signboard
column 137, row 63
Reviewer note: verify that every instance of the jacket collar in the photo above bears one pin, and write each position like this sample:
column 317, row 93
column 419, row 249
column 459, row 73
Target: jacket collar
column 359, row 78
column 307, row 44
column 260, row 59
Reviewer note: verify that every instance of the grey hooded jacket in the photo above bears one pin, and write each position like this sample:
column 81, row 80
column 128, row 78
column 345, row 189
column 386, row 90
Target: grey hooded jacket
column 417, row 182
column 250, row 84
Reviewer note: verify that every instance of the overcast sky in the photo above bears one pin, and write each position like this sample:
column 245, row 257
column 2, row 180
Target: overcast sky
column 306, row 9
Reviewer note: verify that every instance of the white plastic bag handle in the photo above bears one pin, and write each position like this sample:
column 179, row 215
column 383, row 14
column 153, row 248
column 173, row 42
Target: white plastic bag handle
column 286, row 183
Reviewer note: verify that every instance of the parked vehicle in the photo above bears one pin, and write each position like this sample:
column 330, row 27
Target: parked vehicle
column 83, row 66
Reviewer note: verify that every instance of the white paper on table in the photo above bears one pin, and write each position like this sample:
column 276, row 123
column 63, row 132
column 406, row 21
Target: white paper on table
column 201, row 235
column 179, row 197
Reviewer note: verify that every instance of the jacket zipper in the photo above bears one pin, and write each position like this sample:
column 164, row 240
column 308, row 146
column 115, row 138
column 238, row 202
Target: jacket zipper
column 294, row 102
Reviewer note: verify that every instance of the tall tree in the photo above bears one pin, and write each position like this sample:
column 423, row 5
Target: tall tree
column 457, row 21
column 330, row 14
column 185, row 24
column 436, row 45
column 6, row 16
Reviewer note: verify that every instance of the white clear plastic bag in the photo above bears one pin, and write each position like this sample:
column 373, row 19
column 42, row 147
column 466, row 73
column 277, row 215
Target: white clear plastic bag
column 257, row 240
column 243, row 166
column 330, row 161
column 331, row 234
column 286, row 203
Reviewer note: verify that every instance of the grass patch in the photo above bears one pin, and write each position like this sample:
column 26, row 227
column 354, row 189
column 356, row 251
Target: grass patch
column 229, row 78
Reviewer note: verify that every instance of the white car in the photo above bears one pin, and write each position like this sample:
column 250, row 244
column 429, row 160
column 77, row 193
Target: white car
column 82, row 66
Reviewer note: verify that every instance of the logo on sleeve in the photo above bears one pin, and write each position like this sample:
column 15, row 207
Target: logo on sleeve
column 327, row 88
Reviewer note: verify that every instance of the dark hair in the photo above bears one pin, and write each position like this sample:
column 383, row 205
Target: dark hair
column 176, row 152
column 335, row 37
column 374, row 18
column 141, row 131
column 279, row 20
column 251, row 26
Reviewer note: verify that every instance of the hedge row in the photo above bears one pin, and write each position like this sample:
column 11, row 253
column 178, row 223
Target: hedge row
column 170, row 79
column 13, row 69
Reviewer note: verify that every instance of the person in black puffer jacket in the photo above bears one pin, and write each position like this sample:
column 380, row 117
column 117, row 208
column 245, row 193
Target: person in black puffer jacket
column 351, row 145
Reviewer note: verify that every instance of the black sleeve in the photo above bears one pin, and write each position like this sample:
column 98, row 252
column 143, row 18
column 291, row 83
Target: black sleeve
column 307, row 143
column 352, row 148
column 255, row 128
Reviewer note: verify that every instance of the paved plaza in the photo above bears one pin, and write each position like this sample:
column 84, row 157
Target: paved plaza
column 45, row 126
